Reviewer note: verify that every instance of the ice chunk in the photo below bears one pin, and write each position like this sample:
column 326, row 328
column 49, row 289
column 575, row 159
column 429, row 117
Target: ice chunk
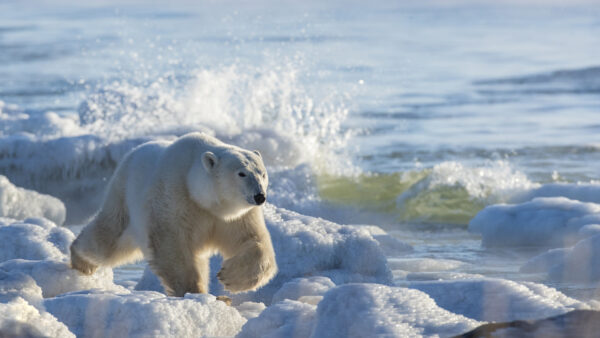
column 359, row 310
column 424, row 264
column 56, row 278
column 144, row 313
column 299, row 288
column 498, row 299
column 34, row 239
column 17, row 285
column 18, row 318
column 19, row 203
column 549, row 222
column 576, row 264
column 250, row 310
column 285, row 319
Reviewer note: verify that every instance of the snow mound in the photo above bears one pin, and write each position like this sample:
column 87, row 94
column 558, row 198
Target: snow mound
column 34, row 239
column 545, row 222
column 144, row 313
column 285, row 319
column 20, row 203
column 359, row 310
column 308, row 246
column 18, row 318
column 306, row 290
column 498, row 299
column 56, row 278
column 576, row 264
column 18, row 285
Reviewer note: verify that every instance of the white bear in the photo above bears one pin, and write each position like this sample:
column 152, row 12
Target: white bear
column 176, row 204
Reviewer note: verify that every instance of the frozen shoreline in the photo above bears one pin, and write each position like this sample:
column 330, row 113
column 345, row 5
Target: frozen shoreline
column 332, row 277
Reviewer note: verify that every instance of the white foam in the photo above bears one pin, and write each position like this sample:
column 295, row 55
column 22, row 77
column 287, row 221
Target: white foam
column 493, row 183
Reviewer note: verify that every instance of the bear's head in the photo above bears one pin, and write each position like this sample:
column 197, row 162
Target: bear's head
column 230, row 182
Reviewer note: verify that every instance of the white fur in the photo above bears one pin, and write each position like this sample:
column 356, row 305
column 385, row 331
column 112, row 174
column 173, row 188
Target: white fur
column 177, row 203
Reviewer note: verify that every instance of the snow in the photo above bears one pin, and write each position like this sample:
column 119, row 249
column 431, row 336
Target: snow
column 57, row 278
column 144, row 313
column 490, row 299
column 18, row 285
column 333, row 280
column 545, row 222
column 20, row 319
column 575, row 264
column 34, row 239
column 19, row 203
column 285, row 319
column 359, row 310
column 304, row 289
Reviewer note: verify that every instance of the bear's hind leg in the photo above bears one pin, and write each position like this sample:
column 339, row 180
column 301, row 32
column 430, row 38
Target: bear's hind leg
column 101, row 242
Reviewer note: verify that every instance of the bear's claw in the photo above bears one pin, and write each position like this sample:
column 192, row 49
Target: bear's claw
column 80, row 264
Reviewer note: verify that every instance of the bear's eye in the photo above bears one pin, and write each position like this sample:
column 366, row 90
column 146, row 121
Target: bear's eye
column 242, row 175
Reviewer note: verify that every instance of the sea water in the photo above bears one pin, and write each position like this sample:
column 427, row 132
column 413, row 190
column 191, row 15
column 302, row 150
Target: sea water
column 412, row 117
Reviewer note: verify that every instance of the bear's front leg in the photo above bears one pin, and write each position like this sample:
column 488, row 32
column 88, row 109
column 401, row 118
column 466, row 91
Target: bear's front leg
column 179, row 269
column 252, row 267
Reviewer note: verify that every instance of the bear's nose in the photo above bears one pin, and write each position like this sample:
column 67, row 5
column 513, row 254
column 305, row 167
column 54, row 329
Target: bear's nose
column 259, row 199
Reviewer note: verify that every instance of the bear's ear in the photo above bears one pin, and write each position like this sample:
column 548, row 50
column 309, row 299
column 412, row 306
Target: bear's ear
column 209, row 160
column 257, row 153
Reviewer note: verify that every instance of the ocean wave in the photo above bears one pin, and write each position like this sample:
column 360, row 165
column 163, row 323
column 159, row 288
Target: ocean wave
column 448, row 193
column 265, row 108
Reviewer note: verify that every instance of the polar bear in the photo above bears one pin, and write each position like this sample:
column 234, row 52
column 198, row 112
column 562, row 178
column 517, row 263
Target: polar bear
column 176, row 204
